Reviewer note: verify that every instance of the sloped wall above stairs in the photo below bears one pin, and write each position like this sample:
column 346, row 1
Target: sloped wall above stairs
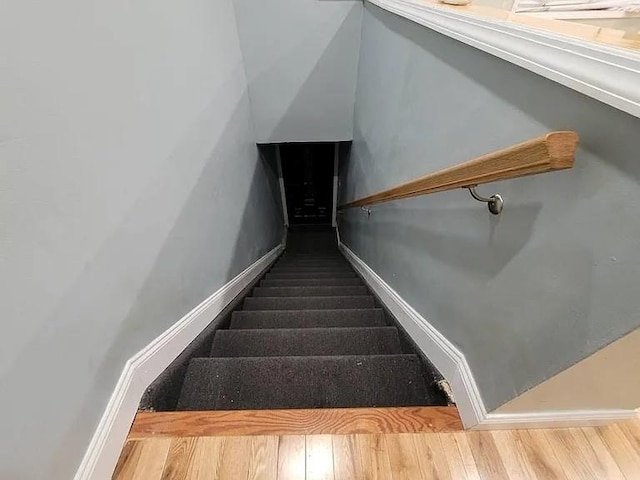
column 301, row 59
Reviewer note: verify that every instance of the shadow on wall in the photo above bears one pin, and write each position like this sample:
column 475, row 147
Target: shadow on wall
column 455, row 260
column 164, row 259
column 435, row 231
column 322, row 94
column 164, row 392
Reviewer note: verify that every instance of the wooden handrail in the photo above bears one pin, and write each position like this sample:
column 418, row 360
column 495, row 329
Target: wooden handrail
column 553, row 151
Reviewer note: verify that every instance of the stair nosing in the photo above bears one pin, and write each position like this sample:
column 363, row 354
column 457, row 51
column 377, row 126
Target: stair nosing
column 263, row 330
column 378, row 309
column 332, row 358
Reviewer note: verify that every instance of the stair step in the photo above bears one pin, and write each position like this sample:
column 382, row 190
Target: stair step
column 281, row 342
column 280, row 275
column 329, row 269
column 311, row 282
column 313, row 261
column 258, row 383
column 314, row 291
column 311, row 265
column 307, row 303
column 335, row 253
column 369, row 317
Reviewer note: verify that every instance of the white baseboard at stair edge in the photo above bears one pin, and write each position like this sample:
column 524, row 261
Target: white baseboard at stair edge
column 441, row 352
column 452, row 364
column 140, row 370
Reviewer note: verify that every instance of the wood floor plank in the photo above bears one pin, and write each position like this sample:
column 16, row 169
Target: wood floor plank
column 565, row 446
column 263, row 459
column 459, row 457
column 540, row 456
column 596, row 455
column 335, row 421
column 319, row 457
column 403, row 457
column 347, row 464
column 486, row 455
column 375, row 459
column 128, row 461
column 621, row 450
column 611, row 452
column 631, row 430
column 234, row 461
column 431, row 457
column 205, row 462
column 512, row 453
column 291, row 457
column 180, row 458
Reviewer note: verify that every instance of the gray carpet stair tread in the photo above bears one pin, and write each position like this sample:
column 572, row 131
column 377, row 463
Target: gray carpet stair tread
column 308, row 303
column 312, row 261
column 310, row 291
column 311, row 282
column 369, row 317
column 310, row 268
column 338, row 260
column 303, row 382
column 342, row 274
column 306, row 341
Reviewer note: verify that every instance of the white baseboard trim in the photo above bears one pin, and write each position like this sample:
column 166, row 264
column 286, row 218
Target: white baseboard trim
column 554, row 419
column 443, row 354
column 451, row 362
column 102, row 454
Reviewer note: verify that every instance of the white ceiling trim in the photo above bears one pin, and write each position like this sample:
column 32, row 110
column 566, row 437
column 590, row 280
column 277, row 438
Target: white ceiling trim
column 606, row 73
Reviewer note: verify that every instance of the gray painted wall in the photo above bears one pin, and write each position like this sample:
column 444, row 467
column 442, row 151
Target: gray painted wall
column 130, row 190
column 301, row 60
column 523, row 295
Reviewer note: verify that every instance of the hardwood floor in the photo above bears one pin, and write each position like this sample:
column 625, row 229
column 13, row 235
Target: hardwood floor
column 609, row 452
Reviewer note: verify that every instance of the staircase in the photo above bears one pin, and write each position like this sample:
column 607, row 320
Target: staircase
column 309, row 336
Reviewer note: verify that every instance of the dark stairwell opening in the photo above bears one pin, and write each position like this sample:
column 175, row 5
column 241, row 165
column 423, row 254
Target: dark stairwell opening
column 309, row 333
column 308, row 179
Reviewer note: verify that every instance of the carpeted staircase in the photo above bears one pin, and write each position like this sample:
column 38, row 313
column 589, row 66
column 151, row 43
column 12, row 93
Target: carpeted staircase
column 309, row 336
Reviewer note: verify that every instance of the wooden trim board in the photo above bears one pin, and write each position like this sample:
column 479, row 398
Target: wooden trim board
column 336, row 421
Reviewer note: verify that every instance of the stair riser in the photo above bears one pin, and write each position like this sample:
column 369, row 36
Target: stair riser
column 341, row 291
column 303, row 382
column 307, row 303
column 305, row 258
column 311, row 266
column 311, row 259
column 274, row 276
column 312, row 282
column 307, row 319
column 306, row 342
column 310, row 269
